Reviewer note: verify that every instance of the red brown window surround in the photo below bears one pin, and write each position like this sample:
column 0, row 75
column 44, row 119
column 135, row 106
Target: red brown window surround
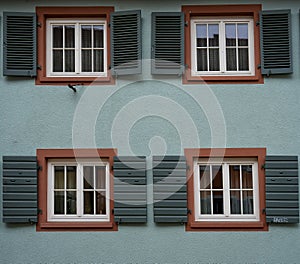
column 42, row 157
column 69, row 12
column 259, row 154
column 191, row 11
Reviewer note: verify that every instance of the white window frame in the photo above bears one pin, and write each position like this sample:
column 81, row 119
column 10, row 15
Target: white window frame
column 226, row 191
column 222, row 46
column 77, row 23
column 80, row 216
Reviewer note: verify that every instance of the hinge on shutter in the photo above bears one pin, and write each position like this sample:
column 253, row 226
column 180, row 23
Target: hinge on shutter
column 39, row 24
column 39, row 211
column 186, row 23
column 257, row 23
column 38, row 167
column 263, row 166
column 259, row 66
column 263, row 210
column 39, row 67
column 112, row 168
column 188, row 167
column 189, row 211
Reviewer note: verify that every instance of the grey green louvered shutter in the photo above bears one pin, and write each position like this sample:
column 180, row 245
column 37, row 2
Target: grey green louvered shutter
column 126, row 42
column 130, row 193
column 169, row 189
column 167, row 43
column 19, row 44
column 20, row 189
column 282, row 189
column 276, row 42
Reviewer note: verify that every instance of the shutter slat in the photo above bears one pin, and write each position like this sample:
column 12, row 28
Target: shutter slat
column 19, row 47
column 276, row 42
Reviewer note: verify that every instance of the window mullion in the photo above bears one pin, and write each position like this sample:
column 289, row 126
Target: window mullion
column 77, row 48
column 225, row 170
column 237, row 47
column 241, row 191
column 79, row 181
column 222, row 44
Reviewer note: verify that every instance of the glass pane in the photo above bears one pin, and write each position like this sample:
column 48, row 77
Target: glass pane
column 59, row 179
column 201, row 32
column 214, row 61
column 57, row 41
column 217, row 177
column 218, row 203
column 247, row 176
column 100, row 203
column 248, row 202
column 86, row 61
column 69, row 61
column 98, row 61
column 100, row 177
column 205, row 177
column 70, row 36
column 243, row 60
column 235, row 202
column 86, row 36
column 231, row 59
column 88, row 177
column 59, row 203
column 71, row 177
column 57, row 61
column 230, row 31
column 242, row 30
column 88, row 202
column 71, row 202
column 98, row 37
column 213, row 35
column 205, row 202
column 234, row 174
column 202, row 60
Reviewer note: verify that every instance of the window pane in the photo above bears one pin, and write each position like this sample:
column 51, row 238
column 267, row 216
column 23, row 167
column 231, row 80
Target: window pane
column 69, row 36
column 230, row 31
column 86, row 36
column 205, row 177
column 59, row 203
column 201, row 32
column 86, row 61
column 88, row 202
column 100, row 177
column 243, row 60
column 235, row 202
column 69, row 61
column 202, row 60
column 57, row 41
column 100, row 203
column 231, row 59
column 57, row 61
column 71, row 202
column 98, row 61
column 248, row 202
column 59, row 179
column 98, row 36
column 213, row 35
column 205, row 202
column 218, row 203
column 88, row 177
column 242, row 30
column 214, row 61
column 234, row 174
column 247, row 176
column 71, row 177
column 217, row 177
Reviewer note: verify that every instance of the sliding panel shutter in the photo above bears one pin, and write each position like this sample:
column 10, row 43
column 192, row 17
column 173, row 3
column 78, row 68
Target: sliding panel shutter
column 167, row 43
column 169, row 189
column 126, row 42
column 130, row 196
column 20, row 189
column 19, row 47
column 276, row 42
column 282, row 189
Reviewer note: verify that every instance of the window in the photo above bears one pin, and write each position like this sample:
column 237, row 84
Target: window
column 75, row 189
column 226, row 189
column 222, row 44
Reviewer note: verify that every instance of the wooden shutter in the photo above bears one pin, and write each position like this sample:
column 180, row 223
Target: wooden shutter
column 19, row 47
column 282, row 189
column 130, row 195
column 19, row 189
column 276, row 42
column 169, row 189
column 126, row 42
column 167, row 43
